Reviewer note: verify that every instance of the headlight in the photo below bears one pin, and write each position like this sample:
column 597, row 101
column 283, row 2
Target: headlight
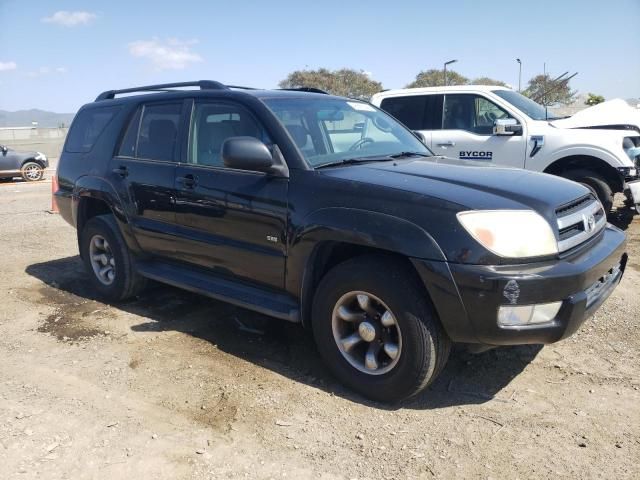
column 510, row 233
column 40, row 156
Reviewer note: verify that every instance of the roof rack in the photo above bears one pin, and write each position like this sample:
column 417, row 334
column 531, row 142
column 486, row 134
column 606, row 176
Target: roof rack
column 306, row 89
column 240, row 87
column 203, row 84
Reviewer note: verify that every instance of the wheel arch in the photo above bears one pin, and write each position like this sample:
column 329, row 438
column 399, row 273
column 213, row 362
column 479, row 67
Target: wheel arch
column 588, row 162
column 334, row 235
column 31, row 159
column 93, row 196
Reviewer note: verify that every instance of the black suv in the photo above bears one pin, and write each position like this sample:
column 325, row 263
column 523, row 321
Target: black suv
column 326, row 211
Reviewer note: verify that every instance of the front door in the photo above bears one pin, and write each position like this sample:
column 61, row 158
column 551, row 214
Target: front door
column 143, row 172
column 230, row 221
column 467, row 132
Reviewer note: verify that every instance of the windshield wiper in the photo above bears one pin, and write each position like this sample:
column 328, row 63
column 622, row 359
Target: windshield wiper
column 409, row 154
column 354, row 161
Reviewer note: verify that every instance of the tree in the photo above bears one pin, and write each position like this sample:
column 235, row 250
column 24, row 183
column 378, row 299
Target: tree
column 547, row 91
column 344, row 82
column 435, row 78
column 487, row 81
column 594, row 99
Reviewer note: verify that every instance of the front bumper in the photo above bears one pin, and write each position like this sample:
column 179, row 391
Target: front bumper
column 468, row 301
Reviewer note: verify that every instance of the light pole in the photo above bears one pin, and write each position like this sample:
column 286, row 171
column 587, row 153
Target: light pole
column 445, row 70
column 519, row 72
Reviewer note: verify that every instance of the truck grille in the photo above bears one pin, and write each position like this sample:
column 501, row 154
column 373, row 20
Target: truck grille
column 579, row 221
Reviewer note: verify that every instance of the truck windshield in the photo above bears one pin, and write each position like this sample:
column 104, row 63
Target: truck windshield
column 333, row 130
column 525, row 105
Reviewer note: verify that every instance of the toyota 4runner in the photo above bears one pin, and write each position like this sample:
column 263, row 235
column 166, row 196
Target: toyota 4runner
column 328, row 212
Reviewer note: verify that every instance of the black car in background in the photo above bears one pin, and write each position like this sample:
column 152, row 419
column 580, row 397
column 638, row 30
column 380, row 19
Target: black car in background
column 28, row 165
column 326, row 211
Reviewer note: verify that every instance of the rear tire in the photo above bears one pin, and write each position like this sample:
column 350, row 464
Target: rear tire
column 32, row 172
column 108, row 261
column 596, row 183
column 403, row 347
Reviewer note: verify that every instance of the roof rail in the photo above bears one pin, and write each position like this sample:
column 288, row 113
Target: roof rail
column 306, row 89
column 203, row 84
column 240, row 87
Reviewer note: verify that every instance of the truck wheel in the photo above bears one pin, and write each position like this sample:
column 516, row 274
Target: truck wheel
column 376, row 331
column 32, row 172
column 108, row 261
column 596, row 183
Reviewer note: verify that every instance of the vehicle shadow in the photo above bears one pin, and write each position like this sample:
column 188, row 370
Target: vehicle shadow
column 622, row 216
column 282, row 347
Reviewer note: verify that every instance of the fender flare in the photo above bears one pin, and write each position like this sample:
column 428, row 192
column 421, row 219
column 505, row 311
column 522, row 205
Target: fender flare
column 356, row 227
column 89, row 186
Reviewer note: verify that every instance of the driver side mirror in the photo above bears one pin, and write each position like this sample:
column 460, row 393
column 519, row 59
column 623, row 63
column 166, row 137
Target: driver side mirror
column 506, row 127
column 4, row 149
column 249, row 153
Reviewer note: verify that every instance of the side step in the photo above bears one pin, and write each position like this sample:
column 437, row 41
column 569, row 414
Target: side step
column 253, row 298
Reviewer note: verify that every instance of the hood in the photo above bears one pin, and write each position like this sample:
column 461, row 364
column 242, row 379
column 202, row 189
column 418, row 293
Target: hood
column 467, row 187
column 607, row 114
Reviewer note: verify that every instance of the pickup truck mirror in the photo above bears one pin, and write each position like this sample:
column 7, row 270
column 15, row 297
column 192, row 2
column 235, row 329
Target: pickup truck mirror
column 3, row 149
column 249, row 153
column 507, row 126
column 420, row 136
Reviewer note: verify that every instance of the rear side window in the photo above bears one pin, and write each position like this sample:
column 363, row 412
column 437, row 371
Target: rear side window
column 417, row 112
column 87, row 127
column 158, row 135
column 128, row 145
column 409, row 110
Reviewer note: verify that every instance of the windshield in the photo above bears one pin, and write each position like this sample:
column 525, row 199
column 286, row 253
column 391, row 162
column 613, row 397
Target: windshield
column 525, row 105
column 334, row 130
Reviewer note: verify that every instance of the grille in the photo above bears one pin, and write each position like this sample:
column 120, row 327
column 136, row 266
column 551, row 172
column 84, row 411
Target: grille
column 579, row 221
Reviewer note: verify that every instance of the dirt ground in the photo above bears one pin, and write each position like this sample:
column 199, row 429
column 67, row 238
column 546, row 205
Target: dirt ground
column 177, row 386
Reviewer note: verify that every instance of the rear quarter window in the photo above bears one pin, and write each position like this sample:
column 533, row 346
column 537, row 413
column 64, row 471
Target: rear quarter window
column 87, row 127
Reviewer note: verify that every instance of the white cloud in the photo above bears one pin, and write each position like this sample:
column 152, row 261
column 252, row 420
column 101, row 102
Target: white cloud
column 70, row 19
column 172, row 54
column 6, row 66
column 46, row 71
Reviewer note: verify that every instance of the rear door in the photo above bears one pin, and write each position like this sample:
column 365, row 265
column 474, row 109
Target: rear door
column 467, row 132
column 144, row 170
column 230, row 221
column 422, row 113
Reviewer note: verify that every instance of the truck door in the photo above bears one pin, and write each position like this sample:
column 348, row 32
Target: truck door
column 467, row 132
column 230, row 221
column 143, row 173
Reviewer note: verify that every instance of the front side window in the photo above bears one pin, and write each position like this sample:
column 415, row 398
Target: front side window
column 333, row 130
column 87, row 127
column 212, row 124
column 525, row 105
column 158, row 134
column 472, row 113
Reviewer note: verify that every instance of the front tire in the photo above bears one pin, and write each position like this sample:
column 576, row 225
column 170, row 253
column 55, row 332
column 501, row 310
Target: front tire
column 376, row 330
column 32, row 172
column 596, row 183
column 108, row 261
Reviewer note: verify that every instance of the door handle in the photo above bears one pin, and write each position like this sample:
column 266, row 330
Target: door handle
column 447, row 144
column 122, row 171
column 188, row 181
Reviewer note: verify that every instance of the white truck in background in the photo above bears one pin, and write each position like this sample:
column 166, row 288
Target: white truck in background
column 492, row 124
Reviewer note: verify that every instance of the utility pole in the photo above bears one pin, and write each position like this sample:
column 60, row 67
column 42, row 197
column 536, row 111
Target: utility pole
column 519, row 74
column 445, row 70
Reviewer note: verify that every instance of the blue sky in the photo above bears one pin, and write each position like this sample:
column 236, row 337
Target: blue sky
column 58, row 61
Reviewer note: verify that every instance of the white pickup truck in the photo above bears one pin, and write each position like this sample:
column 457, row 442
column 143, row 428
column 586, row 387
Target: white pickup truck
column 499, row 125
